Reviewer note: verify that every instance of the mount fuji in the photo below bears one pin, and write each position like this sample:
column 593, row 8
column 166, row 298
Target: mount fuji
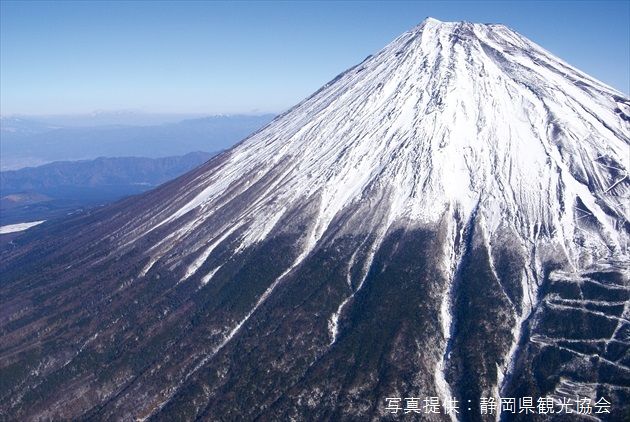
column 449, row 218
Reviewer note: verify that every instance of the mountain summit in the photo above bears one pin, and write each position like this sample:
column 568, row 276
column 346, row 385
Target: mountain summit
column 448, row 219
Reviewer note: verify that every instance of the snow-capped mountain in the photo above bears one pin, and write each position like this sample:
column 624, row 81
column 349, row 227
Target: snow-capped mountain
column 448, row 218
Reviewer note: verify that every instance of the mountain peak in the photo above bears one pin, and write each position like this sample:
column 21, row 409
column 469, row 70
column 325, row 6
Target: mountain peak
column 462, row 27
column 436, row 22
column 430, row 19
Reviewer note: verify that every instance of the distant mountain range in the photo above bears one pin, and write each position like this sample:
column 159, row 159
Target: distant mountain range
column 59, row 188
column 28, row 142
column 97, row 118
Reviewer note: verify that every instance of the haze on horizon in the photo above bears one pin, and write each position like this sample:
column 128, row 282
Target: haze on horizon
column 198, row 58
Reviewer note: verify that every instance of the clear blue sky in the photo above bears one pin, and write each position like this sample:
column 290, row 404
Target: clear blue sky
column 213, row 57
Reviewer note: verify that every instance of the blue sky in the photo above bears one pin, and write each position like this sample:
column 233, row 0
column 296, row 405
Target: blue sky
column 244, row 57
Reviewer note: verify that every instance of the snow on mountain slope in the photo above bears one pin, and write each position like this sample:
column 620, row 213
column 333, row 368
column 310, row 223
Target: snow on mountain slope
column 448, row 116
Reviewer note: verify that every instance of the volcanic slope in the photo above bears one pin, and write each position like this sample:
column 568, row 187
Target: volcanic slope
column 449, row 218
